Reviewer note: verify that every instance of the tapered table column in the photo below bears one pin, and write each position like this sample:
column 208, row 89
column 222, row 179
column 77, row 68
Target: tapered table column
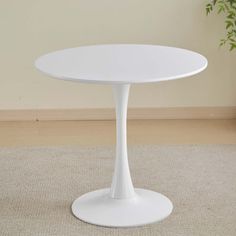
column 121, row 205
column 122, row 186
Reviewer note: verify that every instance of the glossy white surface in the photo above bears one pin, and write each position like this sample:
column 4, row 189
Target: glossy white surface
column 121, row 63
column 99, row 208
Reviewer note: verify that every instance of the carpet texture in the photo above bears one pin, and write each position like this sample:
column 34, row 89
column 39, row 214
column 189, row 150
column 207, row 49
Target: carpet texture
column 38, row 185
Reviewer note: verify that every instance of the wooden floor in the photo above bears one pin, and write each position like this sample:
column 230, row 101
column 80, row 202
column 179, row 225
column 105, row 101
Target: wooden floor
column 92, row 133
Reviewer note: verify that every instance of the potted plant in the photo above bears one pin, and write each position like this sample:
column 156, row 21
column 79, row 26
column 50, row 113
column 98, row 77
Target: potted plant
column 228, row 8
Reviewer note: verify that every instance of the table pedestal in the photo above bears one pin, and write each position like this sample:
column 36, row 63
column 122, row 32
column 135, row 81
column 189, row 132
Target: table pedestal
column 121, row 205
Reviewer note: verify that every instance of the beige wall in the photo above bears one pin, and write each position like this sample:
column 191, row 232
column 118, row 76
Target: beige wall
column 29, row 28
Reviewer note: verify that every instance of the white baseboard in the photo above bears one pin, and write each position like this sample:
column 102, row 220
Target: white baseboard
column 109, row 113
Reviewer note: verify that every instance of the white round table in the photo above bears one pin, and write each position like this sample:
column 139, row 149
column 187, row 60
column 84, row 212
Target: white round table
column 121, row 65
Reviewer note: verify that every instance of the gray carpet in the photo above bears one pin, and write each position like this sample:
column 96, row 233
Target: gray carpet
column 38, row 185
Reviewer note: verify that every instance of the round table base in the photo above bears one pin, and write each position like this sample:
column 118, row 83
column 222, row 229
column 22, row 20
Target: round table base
column 99, row 208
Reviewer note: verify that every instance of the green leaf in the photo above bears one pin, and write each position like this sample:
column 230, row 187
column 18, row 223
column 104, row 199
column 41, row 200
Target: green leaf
column 221, row 9
column 229, row 24
column 209, row 8
column 232, row 46
column 231, row 16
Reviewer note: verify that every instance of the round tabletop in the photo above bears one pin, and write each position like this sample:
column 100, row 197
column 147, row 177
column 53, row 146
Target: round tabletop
column 121, row 63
